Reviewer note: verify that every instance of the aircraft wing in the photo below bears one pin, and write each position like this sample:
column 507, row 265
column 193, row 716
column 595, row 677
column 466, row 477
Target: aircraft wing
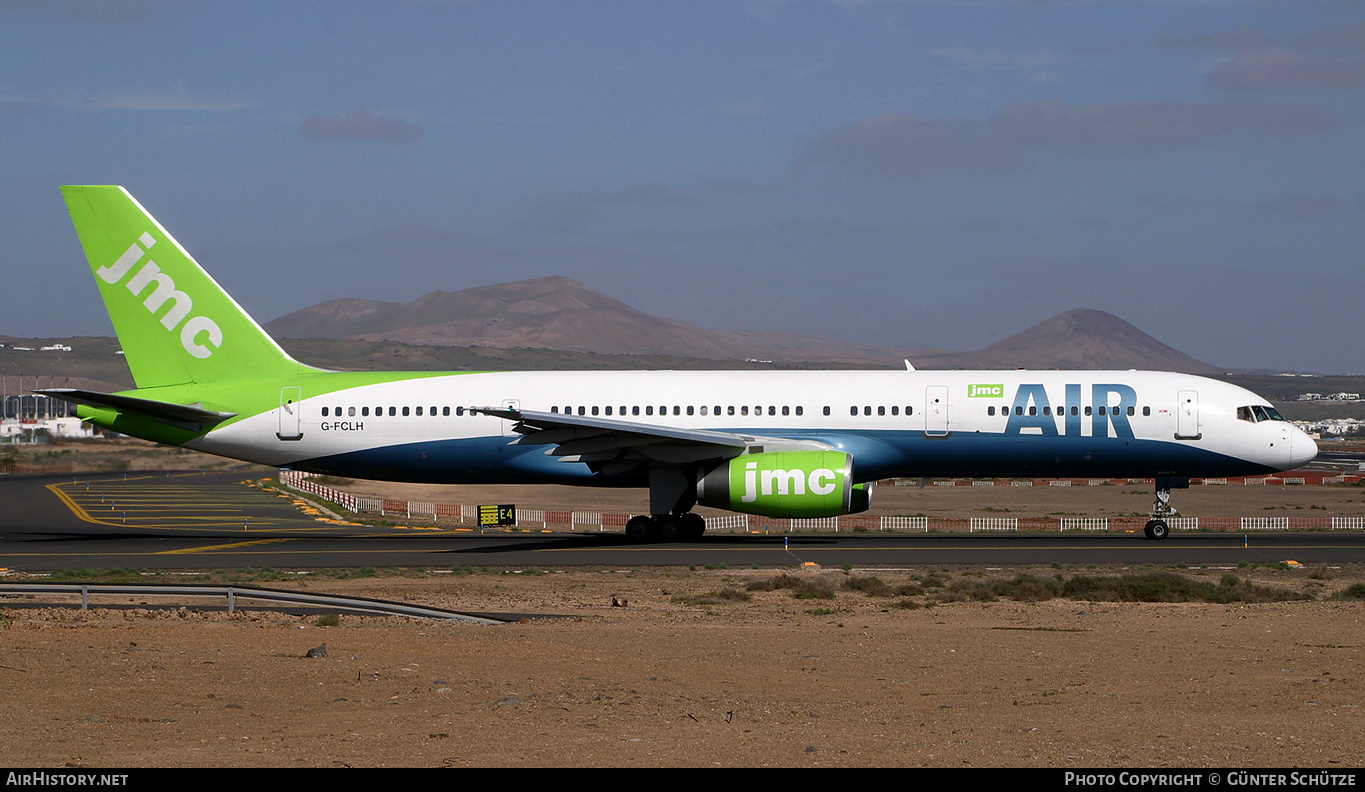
column 615, row 445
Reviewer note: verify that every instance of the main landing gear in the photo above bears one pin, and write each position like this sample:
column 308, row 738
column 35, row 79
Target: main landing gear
column 672, row 494
column 1157, row 528
column 665, row 527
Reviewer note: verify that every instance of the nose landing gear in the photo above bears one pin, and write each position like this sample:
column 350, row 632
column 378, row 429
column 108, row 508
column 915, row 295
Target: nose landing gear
column 1157, row 528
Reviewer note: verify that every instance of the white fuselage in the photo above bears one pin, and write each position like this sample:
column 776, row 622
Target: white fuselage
column 895, row 423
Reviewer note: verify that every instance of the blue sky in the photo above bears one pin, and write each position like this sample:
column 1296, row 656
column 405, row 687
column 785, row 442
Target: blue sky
column 942, row 174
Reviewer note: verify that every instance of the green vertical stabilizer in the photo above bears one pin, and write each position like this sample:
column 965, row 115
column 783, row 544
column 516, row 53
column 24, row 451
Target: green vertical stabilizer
column 176, row 324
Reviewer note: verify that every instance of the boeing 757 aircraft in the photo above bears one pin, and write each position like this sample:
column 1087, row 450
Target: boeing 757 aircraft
column 775, row 443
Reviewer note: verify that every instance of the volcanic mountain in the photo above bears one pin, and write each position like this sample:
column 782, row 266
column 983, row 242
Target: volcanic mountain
column 1080, row 339
column 559, row 313
column 556, row 313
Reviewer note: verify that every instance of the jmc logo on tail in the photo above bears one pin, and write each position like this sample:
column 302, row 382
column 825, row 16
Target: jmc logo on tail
column 163, row 290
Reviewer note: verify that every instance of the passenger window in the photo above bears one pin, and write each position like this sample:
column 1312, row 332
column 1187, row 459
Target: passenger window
column 419, row 410
column 800, row 410
column 350, row 412
column 324, row 412
column 826, row 409
column 405, row 411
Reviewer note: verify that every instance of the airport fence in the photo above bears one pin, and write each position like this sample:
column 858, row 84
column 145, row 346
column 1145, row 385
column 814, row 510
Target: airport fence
column 466, row 516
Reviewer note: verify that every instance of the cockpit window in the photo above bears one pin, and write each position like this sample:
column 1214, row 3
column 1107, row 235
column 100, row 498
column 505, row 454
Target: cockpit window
column 1256, row 413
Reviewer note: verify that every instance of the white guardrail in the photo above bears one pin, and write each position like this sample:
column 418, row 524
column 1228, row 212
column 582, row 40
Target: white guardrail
column 542, row 519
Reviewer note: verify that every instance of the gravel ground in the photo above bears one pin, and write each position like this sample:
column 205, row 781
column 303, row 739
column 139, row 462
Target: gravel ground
column 773, row 680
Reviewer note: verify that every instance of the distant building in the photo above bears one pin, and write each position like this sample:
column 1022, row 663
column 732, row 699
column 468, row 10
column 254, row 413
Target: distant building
column 28, row 407
column 35, row 429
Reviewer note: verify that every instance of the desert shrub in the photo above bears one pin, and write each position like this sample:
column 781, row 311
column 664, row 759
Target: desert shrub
column 871, row 586
column 1171, row 587
column 801, row 588
column 1353, row 592
column 718, row 597
column 968, row 591
column 1030, row 588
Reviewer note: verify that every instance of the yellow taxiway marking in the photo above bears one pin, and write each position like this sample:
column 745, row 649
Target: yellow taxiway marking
column 214, row 548
column 143, row 517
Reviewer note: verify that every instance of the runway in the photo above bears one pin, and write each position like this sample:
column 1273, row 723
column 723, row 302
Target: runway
column 184, row 521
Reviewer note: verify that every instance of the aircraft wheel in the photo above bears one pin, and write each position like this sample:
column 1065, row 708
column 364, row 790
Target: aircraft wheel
column 693, row 526
column 1156, row 529
column 670, row 527
column 639, row 527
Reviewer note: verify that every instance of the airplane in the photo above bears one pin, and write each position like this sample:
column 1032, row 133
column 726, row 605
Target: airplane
column 773, row 443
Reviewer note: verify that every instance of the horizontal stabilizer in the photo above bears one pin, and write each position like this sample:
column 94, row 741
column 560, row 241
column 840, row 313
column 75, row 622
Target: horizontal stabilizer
column 166, row 411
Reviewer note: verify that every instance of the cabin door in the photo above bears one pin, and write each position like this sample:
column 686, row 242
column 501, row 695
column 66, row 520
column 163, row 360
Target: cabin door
column 1187, row 416
column 290, row 427
column 936, row 411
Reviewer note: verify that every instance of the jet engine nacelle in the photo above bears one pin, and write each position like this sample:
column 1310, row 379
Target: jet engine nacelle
column 786, row 484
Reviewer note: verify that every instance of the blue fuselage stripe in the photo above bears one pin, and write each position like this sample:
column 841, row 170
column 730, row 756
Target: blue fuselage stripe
column 877, row 455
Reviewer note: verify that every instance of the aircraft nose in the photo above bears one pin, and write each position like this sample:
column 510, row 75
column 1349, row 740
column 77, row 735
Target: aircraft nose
column 1302, row 449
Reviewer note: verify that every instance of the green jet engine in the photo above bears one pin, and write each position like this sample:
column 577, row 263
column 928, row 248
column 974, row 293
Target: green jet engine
column 802, row 484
